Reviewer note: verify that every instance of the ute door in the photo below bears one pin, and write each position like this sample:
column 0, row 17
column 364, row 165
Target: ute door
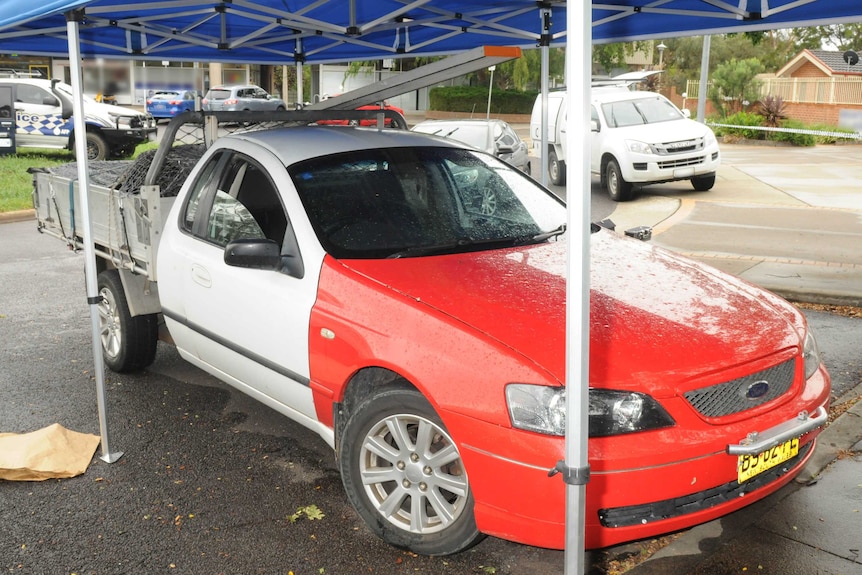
column 39, row 118
column 247, row 326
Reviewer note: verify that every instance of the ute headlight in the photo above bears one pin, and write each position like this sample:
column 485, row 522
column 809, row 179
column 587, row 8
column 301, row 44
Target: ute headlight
column 638, row 147
column 100, row 121
column 709, row 139
column 810, row 355
column 616, row 412
column 542, row 409
column 537, row 408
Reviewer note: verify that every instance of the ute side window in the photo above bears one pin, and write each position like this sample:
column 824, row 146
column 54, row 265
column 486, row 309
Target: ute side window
column 246, row 204
column 233, row 198
column 199, row 194
column 27, row 94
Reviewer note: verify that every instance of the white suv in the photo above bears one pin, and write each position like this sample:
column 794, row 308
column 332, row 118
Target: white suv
column 43, row 119
column 638, row 138
column 642, row 138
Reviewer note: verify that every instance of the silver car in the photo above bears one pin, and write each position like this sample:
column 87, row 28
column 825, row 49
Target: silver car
column 493, row 136
column 241, row 98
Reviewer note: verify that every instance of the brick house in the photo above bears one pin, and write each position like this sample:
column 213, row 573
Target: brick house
column 820, row 87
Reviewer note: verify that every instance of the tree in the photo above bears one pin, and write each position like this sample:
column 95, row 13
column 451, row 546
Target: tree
column 606, row 57
column 525, row 73
column 734, row 83
column 835, row 37
column 682, row 58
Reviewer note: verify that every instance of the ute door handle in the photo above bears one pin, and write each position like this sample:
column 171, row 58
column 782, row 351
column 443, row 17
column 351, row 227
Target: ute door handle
column 201, row 276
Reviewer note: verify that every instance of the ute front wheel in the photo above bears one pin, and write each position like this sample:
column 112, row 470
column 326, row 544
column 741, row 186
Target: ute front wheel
column 97, row 147
column 619, row 189
column 404, row 475
column 703, row 183
column 128, row 343
column 556, row 168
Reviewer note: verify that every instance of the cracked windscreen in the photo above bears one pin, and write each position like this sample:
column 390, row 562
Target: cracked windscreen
column 419, row 201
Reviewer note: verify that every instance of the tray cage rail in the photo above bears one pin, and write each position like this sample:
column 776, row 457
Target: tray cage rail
column 130, row 198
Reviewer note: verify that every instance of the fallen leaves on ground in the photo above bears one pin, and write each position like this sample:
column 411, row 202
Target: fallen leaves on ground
column 845, row 310
column 618, row 560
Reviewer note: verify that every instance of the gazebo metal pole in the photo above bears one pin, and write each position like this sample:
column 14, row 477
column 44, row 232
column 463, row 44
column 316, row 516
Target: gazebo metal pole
column 575, row 469
column 73, row 19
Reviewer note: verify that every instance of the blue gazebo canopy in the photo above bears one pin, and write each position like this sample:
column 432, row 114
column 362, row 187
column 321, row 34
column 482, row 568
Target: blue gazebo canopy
column 319, row 31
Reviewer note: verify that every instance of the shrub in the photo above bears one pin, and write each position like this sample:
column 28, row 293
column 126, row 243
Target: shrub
column 474, row 99
column 742, row 119
column 793, row 138
column 828, row 128
column 772, row 109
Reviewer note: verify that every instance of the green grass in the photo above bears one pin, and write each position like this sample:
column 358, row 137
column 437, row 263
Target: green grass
column 16, row 184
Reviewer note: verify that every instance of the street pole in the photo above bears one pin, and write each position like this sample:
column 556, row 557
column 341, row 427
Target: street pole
column 704, row 78
column 490, row 88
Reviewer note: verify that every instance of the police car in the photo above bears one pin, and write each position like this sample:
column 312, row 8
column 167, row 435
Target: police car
column 43, row 119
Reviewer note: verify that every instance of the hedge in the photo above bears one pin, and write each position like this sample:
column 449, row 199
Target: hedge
column 475, row 99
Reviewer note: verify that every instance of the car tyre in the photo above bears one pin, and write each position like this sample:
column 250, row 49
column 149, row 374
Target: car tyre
column 556, row 168
column 97, row 147
column 128, row 343
column 703, row 183
column 618, row 188
column 404, row 475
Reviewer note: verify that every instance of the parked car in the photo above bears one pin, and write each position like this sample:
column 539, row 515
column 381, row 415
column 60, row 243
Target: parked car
column 352, row 280
column 642, row 138
column 638, row 138
column 386, row 106
column 241, row 98
column 493, row 136
column 43, row 119
column 387, row 121
column 169, row 103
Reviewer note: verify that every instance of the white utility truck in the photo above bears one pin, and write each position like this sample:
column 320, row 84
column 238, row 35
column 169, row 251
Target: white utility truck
column 638, row 138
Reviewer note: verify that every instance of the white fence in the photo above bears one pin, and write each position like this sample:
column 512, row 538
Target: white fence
column 835, row 90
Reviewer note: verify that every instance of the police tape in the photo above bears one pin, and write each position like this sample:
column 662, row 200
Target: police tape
column 825, row 133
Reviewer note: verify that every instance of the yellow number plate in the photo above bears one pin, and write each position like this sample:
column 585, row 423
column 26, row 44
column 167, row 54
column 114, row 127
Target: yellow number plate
column 751, row 465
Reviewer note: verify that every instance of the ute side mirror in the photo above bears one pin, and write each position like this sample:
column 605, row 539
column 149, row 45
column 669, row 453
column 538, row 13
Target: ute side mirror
column 265, row 254
column 254, row 253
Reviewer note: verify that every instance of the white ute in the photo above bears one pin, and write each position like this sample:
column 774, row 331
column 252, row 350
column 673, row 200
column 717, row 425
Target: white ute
column 638, row 138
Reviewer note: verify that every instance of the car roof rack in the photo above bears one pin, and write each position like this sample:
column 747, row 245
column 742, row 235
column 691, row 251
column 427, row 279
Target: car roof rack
column 12, row 73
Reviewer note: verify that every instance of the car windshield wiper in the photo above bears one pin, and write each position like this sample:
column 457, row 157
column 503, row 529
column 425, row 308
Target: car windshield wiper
column 542, row 237
column 459, row 245
column 468, row 244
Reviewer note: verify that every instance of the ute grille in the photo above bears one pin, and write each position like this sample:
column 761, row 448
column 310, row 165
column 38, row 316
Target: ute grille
column 731, row 396
column 679, row 147
column 682, row 162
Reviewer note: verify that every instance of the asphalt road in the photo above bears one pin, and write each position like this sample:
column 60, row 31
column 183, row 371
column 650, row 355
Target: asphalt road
column 210, row 479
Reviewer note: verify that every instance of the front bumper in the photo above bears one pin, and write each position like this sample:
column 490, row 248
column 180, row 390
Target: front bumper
column 652, row 169
column 122, row 136
column 691, row 477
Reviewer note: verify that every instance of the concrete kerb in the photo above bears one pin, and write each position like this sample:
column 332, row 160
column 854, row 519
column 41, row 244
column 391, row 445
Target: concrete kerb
column 17, row 216
column 841, row 435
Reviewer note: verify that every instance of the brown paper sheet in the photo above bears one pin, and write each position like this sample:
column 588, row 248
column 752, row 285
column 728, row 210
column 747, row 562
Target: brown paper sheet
column 47, row 453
